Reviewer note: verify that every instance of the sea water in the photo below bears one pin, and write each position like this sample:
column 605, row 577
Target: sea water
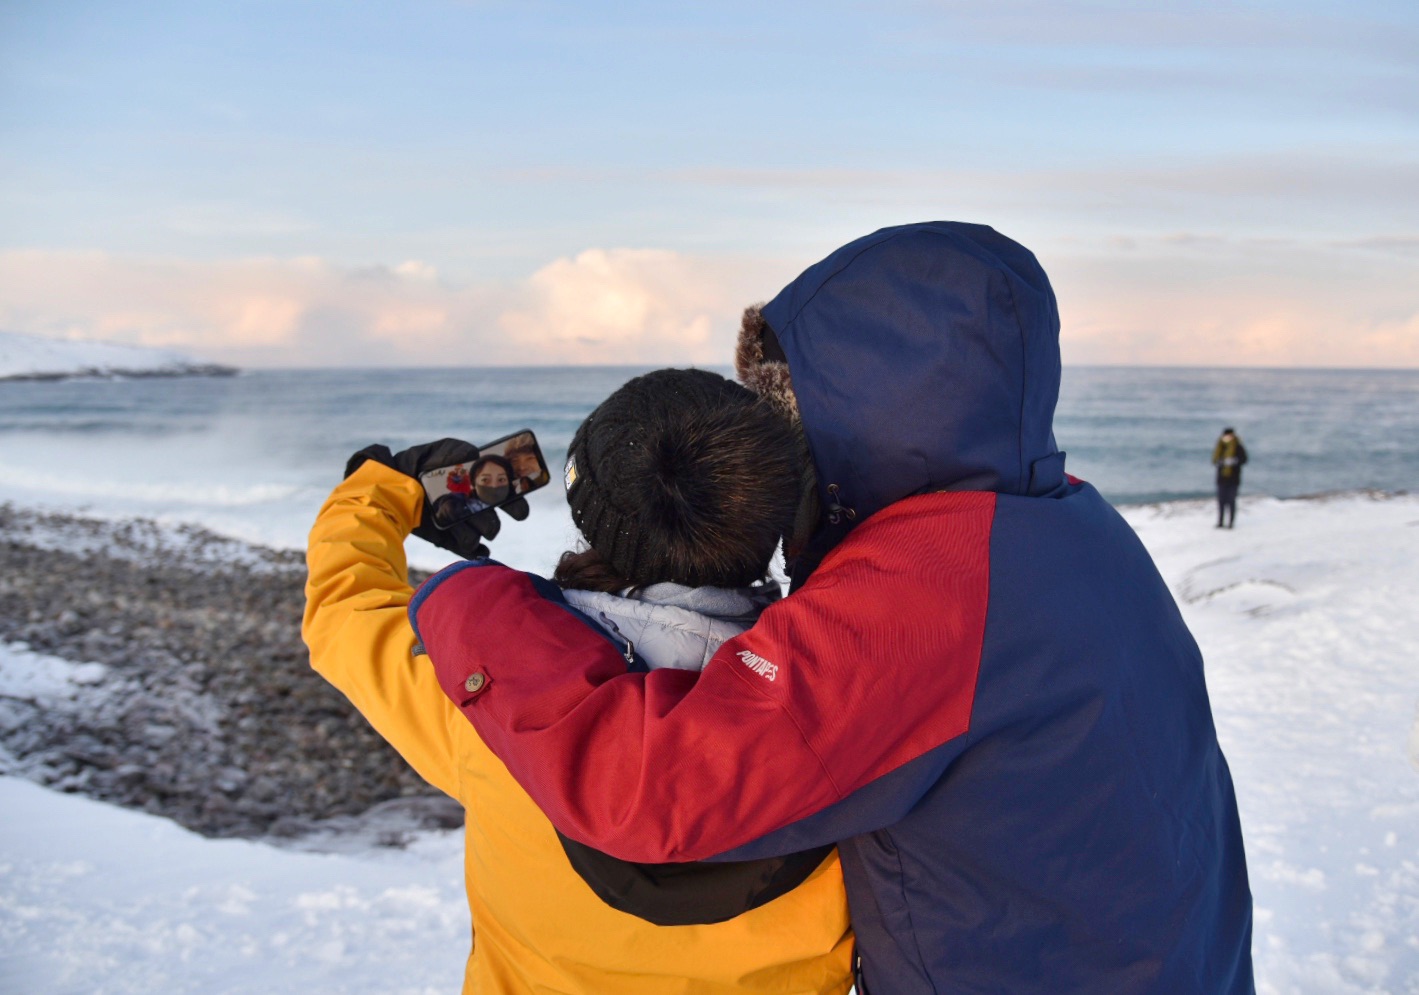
column 254, row 455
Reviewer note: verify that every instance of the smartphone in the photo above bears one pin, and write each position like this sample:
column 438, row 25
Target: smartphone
column 504, row 471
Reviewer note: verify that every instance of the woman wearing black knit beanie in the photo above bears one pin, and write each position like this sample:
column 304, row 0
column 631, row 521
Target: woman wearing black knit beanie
column 682, row 483
column 680, row 476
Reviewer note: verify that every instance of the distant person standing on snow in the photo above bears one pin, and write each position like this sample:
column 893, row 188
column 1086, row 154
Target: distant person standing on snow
column 1228, row 456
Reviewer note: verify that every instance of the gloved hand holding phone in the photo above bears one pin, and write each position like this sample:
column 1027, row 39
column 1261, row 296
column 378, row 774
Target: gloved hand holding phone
column 463, row 484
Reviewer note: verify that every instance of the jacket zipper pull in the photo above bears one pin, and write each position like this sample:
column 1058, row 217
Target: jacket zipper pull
column 630, row 651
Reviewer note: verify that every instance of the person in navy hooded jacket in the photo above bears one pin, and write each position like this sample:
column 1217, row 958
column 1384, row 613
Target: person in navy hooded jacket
column 979, row 686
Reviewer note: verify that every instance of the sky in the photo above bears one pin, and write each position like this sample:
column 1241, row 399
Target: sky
column 474, row 183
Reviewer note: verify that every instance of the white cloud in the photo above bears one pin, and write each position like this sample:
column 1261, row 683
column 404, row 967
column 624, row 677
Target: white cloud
column 264, row 321
column 1177, row 298
column 619, row 305
column 603, row 305
column 1211, row 301
column 414, row 269
column 400, row 323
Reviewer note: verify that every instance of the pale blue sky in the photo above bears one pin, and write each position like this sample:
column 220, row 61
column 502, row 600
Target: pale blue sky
column 1194, row 175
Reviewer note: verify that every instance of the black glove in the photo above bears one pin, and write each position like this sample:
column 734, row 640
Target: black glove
column 464, row 538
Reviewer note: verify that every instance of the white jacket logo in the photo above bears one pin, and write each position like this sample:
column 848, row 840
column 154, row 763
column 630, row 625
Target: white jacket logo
column 758, row 664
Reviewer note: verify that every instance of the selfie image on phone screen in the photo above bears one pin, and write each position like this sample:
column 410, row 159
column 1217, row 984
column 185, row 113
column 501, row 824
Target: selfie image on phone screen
column 504, row 471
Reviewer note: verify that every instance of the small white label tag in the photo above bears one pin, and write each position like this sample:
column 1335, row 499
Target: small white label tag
column 569, row 474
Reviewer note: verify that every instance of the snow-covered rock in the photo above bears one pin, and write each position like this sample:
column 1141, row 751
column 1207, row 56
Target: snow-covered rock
column 28, row 357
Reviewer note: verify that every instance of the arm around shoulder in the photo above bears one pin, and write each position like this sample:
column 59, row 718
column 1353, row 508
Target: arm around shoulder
column 828, row 694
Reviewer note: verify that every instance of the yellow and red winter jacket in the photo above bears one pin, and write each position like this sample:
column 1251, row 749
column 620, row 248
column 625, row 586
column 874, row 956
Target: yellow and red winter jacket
column 538, row 926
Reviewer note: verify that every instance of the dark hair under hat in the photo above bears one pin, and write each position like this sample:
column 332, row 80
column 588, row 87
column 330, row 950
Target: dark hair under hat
column 494, row 458
column 682, row 475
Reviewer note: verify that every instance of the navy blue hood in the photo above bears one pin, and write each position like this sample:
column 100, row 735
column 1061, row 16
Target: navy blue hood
column 924, row 358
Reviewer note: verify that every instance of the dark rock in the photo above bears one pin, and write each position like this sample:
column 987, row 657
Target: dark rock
column 207, row 711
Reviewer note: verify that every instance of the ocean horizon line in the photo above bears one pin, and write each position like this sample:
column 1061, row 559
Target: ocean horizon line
column 1161, row 367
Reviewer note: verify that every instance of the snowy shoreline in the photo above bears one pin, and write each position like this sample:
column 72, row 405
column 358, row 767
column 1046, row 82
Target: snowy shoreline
column 1305, row 614
column 122, row 373
column 26, row 358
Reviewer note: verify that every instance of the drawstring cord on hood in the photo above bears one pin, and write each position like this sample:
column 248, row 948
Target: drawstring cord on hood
column 837, row 511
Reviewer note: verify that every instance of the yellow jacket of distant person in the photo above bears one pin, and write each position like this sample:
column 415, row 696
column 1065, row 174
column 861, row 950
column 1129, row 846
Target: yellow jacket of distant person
column 538, row 926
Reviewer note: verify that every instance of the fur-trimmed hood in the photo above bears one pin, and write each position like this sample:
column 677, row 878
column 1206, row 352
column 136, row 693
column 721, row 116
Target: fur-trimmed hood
column 764, row 370
column 918, row 358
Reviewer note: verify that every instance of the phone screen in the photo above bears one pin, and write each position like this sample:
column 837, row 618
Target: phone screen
column 504, row 471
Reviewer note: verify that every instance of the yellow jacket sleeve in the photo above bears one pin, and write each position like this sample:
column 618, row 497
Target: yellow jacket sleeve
column 360, row 640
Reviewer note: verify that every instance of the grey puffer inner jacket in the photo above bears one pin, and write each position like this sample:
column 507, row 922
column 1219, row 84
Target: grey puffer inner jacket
column 672, row 625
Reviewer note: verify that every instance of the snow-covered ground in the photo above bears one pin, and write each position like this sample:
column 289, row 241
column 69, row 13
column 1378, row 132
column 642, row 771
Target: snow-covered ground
column 1307, row 613
column 98, row 899
column 31, row 357
column 1308, row 617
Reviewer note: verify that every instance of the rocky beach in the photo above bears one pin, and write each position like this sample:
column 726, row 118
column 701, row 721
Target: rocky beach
column 194, row 698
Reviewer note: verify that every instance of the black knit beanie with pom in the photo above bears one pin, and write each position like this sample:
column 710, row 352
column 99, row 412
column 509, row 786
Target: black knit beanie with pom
column 684, row 476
